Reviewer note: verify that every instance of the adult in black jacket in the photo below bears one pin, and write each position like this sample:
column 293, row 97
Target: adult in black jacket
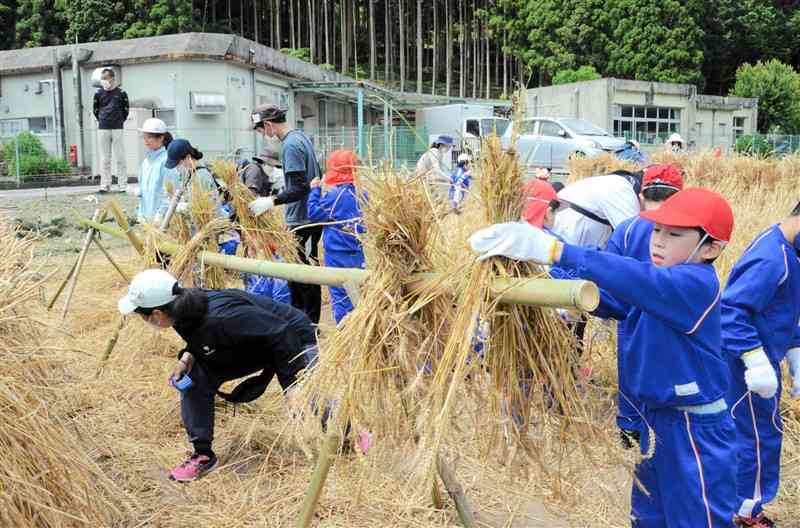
column 111, row 109
column 229, row 334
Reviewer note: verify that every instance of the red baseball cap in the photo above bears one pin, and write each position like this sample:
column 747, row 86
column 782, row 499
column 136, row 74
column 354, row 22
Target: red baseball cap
column 663, row 175
column 538, row 195
column 695, row 207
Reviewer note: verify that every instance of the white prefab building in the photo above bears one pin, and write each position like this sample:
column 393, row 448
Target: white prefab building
column 204, row 86
column 649, row 111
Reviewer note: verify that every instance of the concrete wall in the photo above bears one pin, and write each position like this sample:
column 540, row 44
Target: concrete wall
column 585, row 100
column 167, row 86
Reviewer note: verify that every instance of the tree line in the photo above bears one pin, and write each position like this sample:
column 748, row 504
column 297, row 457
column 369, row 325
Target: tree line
column 470, row 48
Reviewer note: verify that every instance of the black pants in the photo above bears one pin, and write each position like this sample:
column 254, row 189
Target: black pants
column 308, row 297
column 197, row 403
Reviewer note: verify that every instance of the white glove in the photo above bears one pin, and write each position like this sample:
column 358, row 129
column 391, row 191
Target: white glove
column 793, row 358
column 182, row 208
column 759, row 374
column 261, row 205
column 515, row 240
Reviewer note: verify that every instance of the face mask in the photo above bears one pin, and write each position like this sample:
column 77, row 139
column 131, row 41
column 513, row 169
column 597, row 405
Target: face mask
column 106, row 84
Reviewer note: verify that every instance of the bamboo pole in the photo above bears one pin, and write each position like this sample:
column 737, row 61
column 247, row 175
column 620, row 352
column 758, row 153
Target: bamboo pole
column 122, row 220
column 112, row 342
column 324, row 462
column 99, row 215
column 111, row 260
column 555, row 293
column 456, row 493
column 62, row 286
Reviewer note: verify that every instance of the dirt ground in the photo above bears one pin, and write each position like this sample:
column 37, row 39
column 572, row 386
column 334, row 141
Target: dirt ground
column 43, row 209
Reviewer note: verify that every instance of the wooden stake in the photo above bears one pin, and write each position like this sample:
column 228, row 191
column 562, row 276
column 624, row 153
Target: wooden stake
column 456, row 493
column 324, row 462
column 98, row 216
column 111, row 260
column 122, row 220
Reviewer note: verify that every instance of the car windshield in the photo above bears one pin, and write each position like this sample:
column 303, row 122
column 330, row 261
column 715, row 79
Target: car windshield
column 584, row 128
column 493, row 126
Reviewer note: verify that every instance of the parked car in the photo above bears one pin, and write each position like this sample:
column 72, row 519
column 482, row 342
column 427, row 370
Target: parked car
column 550, row 141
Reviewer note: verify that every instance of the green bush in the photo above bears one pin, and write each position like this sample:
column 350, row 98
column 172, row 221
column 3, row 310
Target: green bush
column 584, row 73
column 753, row 146
column 33, row 157
column 777, row 87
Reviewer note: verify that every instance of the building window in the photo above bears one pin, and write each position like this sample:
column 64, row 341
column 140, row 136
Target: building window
column 738, row 127
column 12, row 127
column 40, row 125
column 167, row 115
column 646, row 124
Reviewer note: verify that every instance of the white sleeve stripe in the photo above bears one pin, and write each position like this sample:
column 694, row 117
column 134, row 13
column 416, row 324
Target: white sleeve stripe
column 628, row 232
column 785, row 267
column 705, row 314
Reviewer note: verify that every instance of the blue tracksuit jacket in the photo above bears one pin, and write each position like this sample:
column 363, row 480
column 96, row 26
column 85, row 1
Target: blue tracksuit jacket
column 342, row 248
column 673, row 335
column 761, row 303
column 631, row 238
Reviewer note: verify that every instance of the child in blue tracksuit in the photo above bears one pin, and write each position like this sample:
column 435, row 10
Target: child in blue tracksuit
column 340, row 210
column 460, row 181
column 674, row 363
column 631, row 238
column 760, row 312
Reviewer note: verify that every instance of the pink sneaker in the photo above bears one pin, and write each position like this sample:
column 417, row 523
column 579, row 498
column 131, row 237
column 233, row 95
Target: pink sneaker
column 193, row 468
column 364, row 442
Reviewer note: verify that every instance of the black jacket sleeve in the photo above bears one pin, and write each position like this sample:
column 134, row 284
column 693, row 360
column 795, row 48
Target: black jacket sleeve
column 96, row 106
column 126, row 107
column 296, row 189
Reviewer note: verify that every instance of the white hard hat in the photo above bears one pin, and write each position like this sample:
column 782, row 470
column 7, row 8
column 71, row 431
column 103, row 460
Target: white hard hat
column 154, row 126
column 676, row 138
column 149, row 289
column 464, row 157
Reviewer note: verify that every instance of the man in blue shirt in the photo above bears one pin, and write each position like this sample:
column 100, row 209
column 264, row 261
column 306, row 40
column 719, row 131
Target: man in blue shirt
column 760, row 312
column 674, row 361
column 300, row 166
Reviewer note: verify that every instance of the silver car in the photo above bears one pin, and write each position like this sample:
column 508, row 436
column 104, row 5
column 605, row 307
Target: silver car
column 551, row 141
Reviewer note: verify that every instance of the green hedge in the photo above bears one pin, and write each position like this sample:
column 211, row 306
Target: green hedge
column 33, row 157
column 753, row 146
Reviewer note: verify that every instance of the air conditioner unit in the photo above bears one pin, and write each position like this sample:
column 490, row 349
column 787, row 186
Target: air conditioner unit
column 206, row 103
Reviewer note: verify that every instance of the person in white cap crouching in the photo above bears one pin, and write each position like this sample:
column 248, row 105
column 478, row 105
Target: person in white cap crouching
column 229, row 334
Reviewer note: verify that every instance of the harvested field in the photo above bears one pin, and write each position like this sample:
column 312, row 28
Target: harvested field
column 116, row 425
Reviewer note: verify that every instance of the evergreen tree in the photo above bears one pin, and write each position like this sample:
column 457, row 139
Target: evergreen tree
column 39, row 23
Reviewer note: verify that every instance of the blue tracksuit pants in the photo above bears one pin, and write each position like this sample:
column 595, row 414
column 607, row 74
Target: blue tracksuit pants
column 758, row 442
column 690, row 478
column 342, row 259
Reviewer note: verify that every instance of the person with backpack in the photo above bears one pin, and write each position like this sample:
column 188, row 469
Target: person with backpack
column 152, row 171
column 263, row 176
column 300, row 167
column 111, row 109
column 340, row 211
column 229, row 334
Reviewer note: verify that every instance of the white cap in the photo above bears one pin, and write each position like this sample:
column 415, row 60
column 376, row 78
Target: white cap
column 149, row 289
column 154, row 126
column 676, row 138
column 464, row 157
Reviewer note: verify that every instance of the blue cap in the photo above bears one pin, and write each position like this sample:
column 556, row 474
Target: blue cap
column 178, row 150
column 445, row 140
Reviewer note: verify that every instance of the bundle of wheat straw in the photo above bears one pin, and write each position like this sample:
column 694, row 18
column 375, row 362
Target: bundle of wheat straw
column 47, row 478
column 582, row 167
column 373, row 366
column 525, row 377
column 266, row 234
